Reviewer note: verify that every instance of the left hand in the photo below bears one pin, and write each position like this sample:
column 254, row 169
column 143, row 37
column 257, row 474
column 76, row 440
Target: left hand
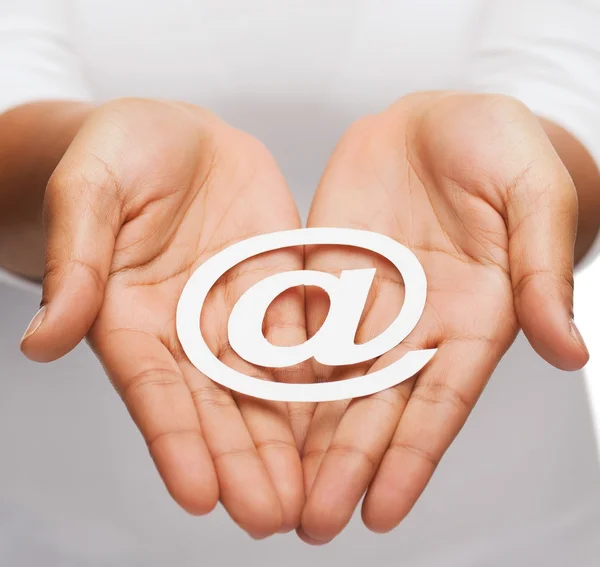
column 473, row 186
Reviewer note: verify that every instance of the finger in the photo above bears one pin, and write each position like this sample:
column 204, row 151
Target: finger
column 285, row 325
column 82, row 217
column 269, row 423
column 330, row 259
column 157, row 397
column 356, row 448
column 340, row 472
column 246, row 489
column 342, row 454
column 279, row 431
column 541, row 213
column 442, row 398
column 323, row 426
column 269, row 428
column 328, row 415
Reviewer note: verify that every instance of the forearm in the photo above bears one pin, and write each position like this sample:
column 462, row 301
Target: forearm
column 33, row 138
column 585, row 175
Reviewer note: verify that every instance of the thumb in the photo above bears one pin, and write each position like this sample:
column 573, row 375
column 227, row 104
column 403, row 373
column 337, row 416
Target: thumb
column 81, row 218
column 542, row 226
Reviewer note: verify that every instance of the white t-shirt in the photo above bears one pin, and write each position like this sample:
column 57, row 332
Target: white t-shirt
column 520, row 486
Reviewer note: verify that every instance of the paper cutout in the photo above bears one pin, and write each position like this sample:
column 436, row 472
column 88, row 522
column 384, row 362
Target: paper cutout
column 333, row 344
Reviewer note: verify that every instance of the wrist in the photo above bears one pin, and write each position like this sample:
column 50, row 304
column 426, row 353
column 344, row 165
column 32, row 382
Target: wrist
column 33, row 139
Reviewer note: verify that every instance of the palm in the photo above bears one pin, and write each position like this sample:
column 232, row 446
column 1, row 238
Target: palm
column 190, row 206
column 398, row 176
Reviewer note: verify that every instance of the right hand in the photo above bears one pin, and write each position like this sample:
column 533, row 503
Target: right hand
column 144, row 194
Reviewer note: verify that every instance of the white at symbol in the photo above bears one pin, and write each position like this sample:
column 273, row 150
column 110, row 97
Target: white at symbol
column 333, row 344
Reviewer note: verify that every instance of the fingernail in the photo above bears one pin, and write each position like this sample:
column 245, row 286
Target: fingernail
column 35, row 323
column 577, row 336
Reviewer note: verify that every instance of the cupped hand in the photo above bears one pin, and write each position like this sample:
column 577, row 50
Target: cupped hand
column 472, row 185
column 145, row 193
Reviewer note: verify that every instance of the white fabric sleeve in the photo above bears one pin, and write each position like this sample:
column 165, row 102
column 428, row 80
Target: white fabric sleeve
column 37, row 62
column 546, row 53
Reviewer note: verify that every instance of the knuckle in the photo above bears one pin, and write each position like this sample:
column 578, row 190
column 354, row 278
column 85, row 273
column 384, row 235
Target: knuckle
column 241, row 453
column 212, row 396
column 152, row 442
column 294, row 374
column 277, row 444
column 61, row 181
column 150, row 378
column 52, row 270
column 563, row 279
column 524, row 181
column 413, row 450
column 348, row 452
column 93, row 176
column 394, row 397
column 57, row 270
column 310, row 455
column 442, row 394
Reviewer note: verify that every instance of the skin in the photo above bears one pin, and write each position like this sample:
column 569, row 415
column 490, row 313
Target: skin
column 138, row 193
column 474, row 187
